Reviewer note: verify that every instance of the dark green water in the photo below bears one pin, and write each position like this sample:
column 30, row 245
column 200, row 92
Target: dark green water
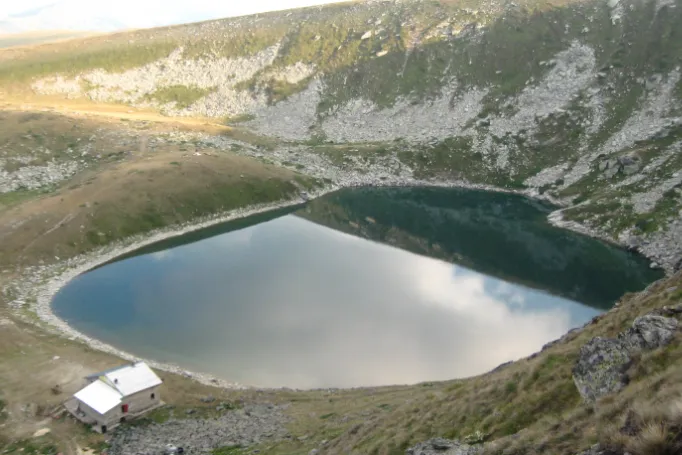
column 360, row 287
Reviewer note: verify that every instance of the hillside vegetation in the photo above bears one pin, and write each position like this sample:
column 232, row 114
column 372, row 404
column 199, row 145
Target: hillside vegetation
column 580, row 101
column 33, row 38
column 108, row 138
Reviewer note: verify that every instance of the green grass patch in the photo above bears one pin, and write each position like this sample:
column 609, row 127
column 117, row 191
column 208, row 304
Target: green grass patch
column 183, row 96
column 239, row 44
column 40, row 446
column 17, row 197
column 281, row 90
column 113, row 58
column 229, row 450
column 112, row 223
column 241, row 118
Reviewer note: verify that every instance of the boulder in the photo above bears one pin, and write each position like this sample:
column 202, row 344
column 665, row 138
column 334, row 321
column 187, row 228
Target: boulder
column 649, row 332
column 441, row 446
column 629, row 164
column 671, row 310
column 600, row 368
column 611, row 171
column 602, row 363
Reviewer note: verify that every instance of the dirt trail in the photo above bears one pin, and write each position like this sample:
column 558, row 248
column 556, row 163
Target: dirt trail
column 111, row 111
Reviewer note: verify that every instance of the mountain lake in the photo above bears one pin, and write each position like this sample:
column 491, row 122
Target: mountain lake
column 361, row 287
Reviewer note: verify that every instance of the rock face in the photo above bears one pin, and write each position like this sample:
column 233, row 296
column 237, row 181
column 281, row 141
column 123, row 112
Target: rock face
column 649, row 332
column 441, row 446
column 600, row 369
column 603, row 362
column 628, row 165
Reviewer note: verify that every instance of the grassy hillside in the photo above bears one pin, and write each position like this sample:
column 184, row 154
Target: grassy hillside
column 33, row 38
column 577, row 101
column 532, row 95
column 129, row 180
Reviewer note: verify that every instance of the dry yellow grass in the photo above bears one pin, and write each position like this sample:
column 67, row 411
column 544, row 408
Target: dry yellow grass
column 653, row 439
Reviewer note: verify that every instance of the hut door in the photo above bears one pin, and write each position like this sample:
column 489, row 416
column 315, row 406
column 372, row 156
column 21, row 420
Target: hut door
column 124, row 408
column 104, row 429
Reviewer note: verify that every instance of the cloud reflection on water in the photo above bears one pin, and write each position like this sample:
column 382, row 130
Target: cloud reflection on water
column 292, row 303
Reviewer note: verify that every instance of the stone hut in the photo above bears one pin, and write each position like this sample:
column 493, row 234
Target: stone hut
column 115, row 395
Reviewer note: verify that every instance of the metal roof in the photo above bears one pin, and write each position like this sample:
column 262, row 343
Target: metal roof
column 100, row 397
column 109, row 389
column 94, row 376
column 132, row 378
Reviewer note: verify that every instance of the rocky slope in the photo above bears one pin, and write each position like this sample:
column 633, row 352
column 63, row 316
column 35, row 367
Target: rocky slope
column 580, row 101
column 472, row 229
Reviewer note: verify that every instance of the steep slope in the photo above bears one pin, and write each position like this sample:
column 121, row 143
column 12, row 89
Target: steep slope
column 580, row 101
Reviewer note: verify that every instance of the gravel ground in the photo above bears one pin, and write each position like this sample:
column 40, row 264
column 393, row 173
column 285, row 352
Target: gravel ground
column 251, row 425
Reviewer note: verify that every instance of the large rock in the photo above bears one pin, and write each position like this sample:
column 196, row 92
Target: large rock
column 600, row 369
column 629, row 164
column 649, row 332
column 441, row 446
column 602, row 363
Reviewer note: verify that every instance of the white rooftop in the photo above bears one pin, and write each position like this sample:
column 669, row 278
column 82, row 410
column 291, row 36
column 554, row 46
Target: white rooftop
column 133, row 378
column 100, row 397
column 110, row 387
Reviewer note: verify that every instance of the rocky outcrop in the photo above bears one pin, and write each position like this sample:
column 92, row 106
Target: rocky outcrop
column 649, row 332
column 34, row 177
column 441, row 446
column 627, row 165
column 601, row 368
column 361, row 120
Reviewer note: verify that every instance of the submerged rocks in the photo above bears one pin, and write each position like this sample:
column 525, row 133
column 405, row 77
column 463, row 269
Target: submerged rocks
column 603, row 362
column 441, row 446
column 600, row 369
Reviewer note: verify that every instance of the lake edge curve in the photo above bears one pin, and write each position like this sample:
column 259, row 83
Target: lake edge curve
column 53, row 277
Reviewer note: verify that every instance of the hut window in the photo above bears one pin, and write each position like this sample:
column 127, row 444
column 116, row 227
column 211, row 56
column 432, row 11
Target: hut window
column 153, row 396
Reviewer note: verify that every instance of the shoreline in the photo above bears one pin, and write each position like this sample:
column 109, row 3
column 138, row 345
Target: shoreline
column 58, row 275
column 55, row 276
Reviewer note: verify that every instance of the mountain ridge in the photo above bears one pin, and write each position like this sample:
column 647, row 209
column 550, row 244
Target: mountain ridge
column 577, row 102
column 580, row 101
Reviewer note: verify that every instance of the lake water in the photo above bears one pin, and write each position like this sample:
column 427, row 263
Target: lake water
column 360, row 287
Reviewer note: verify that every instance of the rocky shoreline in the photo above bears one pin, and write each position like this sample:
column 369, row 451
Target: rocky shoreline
column 40, row 284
